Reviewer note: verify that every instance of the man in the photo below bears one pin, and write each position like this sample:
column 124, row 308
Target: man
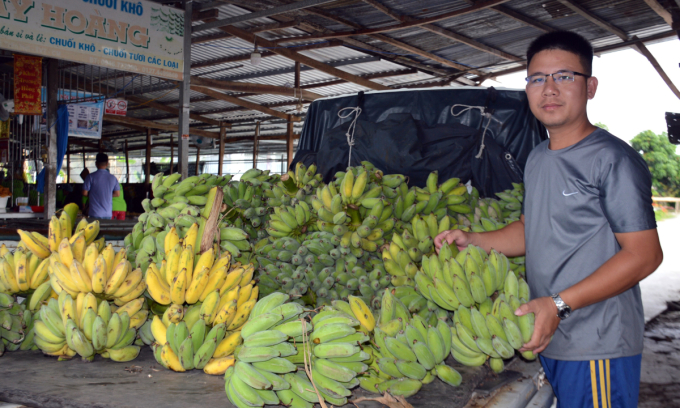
column 589, row 235
column 100, row 187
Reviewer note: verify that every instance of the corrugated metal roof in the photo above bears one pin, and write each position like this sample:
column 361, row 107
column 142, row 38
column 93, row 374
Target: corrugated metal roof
column 488, row 27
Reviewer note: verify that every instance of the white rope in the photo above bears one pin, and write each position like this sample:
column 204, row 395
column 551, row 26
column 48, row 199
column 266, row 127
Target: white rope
column 351, row 129
column 485, row 114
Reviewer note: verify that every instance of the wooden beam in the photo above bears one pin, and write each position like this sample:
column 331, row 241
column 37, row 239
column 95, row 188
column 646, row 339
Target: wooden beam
column 478, row 5
column 147, row 176
column 264, row 53
column 155, row 125
column 239, row 102
column 644, row 51
column 166, row 108
column 507, row 11
column 251, row 88
column 289, row 141
column 203, row 14
column 661, row 11
column 444, row 32
column 220, row 163
column 578, row 9
column 295, row 56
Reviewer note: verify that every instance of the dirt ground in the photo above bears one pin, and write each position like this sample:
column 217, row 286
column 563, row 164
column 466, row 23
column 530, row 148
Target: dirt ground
column 660, row 379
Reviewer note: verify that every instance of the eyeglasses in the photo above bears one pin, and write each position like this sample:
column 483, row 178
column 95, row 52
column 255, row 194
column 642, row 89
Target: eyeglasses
column 560, row 77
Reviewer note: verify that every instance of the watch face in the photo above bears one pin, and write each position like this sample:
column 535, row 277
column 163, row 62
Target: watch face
column 564, row 313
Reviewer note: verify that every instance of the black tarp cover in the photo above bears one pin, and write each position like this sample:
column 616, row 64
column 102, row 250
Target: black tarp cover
column 413, row 132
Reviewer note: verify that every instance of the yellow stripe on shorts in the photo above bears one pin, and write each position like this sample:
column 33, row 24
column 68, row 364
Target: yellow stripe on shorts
column 593, row 383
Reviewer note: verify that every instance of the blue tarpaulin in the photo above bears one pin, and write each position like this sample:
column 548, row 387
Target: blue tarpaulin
column 62, row 144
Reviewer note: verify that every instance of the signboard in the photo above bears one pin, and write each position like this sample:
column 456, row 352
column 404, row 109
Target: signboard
column 116, row 107
column 140, row 36
column 27, row 84
column 85, row 119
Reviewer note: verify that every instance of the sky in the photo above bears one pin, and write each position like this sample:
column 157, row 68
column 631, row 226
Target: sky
column 631, row 96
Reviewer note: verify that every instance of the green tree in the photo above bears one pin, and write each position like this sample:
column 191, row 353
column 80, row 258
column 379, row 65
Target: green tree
column 663, row 162
column 602, row 125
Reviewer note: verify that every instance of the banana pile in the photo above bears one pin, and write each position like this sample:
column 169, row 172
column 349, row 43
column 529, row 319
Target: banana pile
column 16, row 325
column 226, row 311
column 319, row 269
column 493, row 331
column 23, row 273
column 87, row 326
column 408, row 352
column 279, row 337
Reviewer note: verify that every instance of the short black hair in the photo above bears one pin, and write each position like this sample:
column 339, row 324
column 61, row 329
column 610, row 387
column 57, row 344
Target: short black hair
column 102, row 158
column 565, row 41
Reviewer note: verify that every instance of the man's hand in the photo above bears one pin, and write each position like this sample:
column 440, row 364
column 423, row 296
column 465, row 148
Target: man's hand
column 546, row 323
column 461, row 238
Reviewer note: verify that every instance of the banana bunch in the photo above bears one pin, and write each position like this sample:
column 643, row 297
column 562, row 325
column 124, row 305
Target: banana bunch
column 169, row 191
column 410, row 302
column 322, row 264
column 185, row 278
column 76, row 269
column 407, row 353
column 409, row 248
column 301, row 181
column 86, row 326
column 493, row 331
column 16, row 325
column 25, row 274
column 291, row 221
column 511, row 201
column 470, row 278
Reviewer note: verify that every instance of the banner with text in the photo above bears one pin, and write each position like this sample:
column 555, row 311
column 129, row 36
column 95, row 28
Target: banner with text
column 27, row 84
column 141, row 36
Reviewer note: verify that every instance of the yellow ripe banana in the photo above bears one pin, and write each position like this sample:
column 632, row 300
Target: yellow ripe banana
column 244, row 295
column 173, row 263
column 226, row 314
column 41, row 274
column 347, row 185
column 65, row 253
column 228, row 297
column 4, row 250
column 119, row 257
column 78, row 309
column 35, row 246
column 219, row 366
column 138, row 319
column 254, row 293
column 159, row 330
column 247, row 275
column 171, row 239
column 242, row 314
column 228, row 345
column 359, row 186
column 215, row 281
column 131, row 307
column 362, row 312
column 137, row 292
column 158, row 289
column 75, row 236
column 109, row 259
column 99, row 274
column 91, row 231
column 21, row 272
column 63, row 275
column 91, row 255
column 54, row 235
column 120, row 272
column 129, row 284
column 65, row 225
column 170, row 359
column 186, row 263
column 8, row 277
column 80, row 277
column 198, row 283
column 89, row 302
column 41, row 238
column 222, row 262
column 78, row 248
column 162, row 270
column 233, row 280
column 206, row 260
column 190, row 237
column 179, row 287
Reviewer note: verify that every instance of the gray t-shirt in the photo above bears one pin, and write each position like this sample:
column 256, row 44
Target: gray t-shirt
column 101, row 184
column 576, row 198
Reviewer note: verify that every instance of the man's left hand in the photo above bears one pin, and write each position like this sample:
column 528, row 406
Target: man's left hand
column 546, row 322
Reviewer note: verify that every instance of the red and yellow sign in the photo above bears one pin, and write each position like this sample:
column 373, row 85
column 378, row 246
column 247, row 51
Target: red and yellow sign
column 27, row 84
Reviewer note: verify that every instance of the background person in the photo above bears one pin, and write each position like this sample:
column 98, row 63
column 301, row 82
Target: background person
column 589, row 235
column 119, row 206
column 100, row 187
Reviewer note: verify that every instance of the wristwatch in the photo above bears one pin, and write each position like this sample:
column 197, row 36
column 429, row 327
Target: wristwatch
column 563, row 309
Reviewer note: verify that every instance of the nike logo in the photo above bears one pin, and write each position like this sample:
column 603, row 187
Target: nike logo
column 564, row 193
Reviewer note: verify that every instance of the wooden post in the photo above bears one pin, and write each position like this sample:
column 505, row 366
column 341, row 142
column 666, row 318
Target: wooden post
column 255, row 144
column 127, row 162
column 172, row 153
column 297, row 76
column 220, row 163
column 68, row 167
column 51, row 165
column 289, row 140
column 198, row 159
column 147, row 178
